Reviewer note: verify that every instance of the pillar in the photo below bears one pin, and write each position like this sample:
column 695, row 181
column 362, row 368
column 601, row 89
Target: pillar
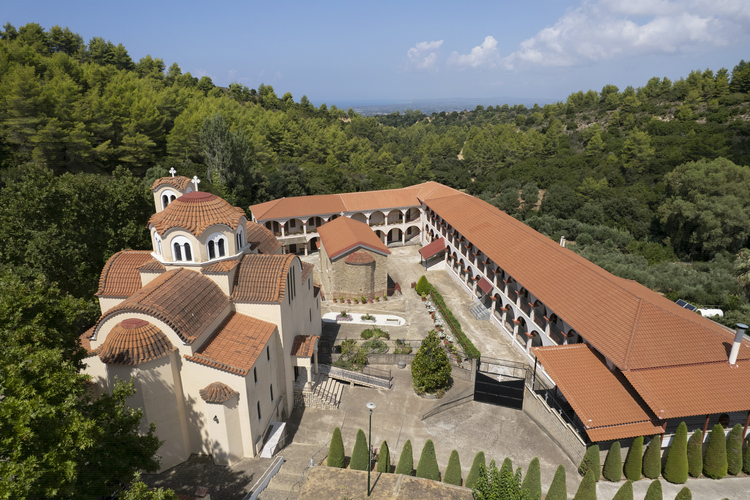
column 529, row 340
column 403, row 237
column 283, row 233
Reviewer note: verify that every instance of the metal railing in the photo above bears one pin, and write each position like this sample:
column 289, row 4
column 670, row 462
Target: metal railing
column 464, row 397
column 358, row 377
column 316, row 459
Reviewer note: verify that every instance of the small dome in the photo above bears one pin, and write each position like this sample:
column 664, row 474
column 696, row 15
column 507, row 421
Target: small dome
column 360, row 259
column 195, row 212
column 217, row 393
column 134, row 341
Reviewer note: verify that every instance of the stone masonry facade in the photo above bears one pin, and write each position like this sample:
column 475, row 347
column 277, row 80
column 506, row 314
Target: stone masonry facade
column 355, row 280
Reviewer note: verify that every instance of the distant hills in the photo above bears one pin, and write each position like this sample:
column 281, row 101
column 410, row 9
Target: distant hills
column 429, row 106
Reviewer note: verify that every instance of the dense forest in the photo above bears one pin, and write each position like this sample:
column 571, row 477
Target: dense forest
column 651, row 183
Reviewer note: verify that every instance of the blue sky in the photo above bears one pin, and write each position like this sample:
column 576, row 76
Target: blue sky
column 377, row 51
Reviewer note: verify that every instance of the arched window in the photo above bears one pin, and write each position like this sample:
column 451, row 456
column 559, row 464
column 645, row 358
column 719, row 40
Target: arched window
column 157, row 244
column 240, row 239
column 167, row 197
column 216, row 246
column 182, row 250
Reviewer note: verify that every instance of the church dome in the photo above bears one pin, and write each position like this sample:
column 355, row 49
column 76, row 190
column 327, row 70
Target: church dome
column 195, row 212
column 134, row 341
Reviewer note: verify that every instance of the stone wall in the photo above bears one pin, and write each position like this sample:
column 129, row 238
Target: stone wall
column 355, row 280
column 560, row 432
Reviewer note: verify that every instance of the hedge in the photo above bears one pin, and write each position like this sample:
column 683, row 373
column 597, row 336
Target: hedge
column 428, row 466
column 453, row 471
column 746, row 457
column 455, row 326
column 676, row 466
column 587, row 488
column 625, row 492
column 384, row 458
column 591, row 462
column 406, row 460
column 336, row 451
column 634, row 460
column 695, row 454
column 613, row 464
column 715, row 460
column 360, row 455
column 558, row 490
column 654, row 491
column 533, row 479
column 652, row 459
column 471, row 479
column 507, row 466
column 684, row 494
column 734, row 450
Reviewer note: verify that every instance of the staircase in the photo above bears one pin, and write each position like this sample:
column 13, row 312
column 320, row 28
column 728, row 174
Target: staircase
column 479, row 311
column 324, row 392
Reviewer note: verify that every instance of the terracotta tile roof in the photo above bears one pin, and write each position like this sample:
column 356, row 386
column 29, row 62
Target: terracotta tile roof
column 153, row 266
column 624, row 431
column 86, row 341
column 134, row 341
column 307, row 270
column 262, row 238
column 380, row 200
column 195, row 212
column 217, row 393
column 222, row 267
column 682, row 391
column 236, row 344
column 304, row 345
column 185, row 300
column 261, row 278
column 120, row 276
column 344, row 234
column 323, row 204
column 599, row 397
column 178, row 182
column 359, row 258
column 433, row 248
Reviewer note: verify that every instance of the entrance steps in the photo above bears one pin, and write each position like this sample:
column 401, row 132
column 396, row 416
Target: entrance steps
column 323, row 393
column 479, row 311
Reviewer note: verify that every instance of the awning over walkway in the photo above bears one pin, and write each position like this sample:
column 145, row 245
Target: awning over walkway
column 485, row 285
column 432, row 249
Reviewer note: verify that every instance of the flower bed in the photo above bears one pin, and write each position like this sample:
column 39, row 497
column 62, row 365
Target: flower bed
column 437, row 304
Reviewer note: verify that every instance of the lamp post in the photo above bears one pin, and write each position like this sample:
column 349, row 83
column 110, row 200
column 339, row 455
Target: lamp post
column 370, row 406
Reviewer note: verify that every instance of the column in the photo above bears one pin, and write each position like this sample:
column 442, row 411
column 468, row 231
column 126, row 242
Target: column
column 403, row 237
column 283, row 233
column 315, row 357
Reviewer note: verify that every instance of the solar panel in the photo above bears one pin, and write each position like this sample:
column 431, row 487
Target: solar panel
column 681, row 303
column 690, row 307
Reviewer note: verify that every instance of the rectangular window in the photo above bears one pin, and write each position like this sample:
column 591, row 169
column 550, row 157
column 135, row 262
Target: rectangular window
column 268, row 353
column 272, row 393
column 255, row 375
column 311, row 315
column 258, row 411
column 292, row 223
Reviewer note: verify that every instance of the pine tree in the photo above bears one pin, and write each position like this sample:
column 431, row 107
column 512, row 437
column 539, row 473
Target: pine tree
column 625, row 492
column 336, row 451
column 406, row 460
column 654, row 491
column 734, row 450
column 384, row 458
column 430, row 368
column 684, row 494
column 652, row 459
column 634, row 460
column 715, row 462
column 428, row 466
column 360, row 455
column 613, row 464
column 676, row 467
column 695, row 454
column 591, row 462
column 471, row 479
column 533, row 479
column 453, row 471
column 507, row 466
column 587, row 488
column 558, row 490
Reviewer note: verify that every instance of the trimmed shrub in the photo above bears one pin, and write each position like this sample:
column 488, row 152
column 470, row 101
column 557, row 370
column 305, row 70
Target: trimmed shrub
column 406, row 460
column 558, row 490
column 591, row 462
column 625, row 492
column 587, row 488
column 453, row 471
column 652, row 459
column 734, row 450
column 471, row 479
column 533, row 479
column 423, row 286
column 684, row 494
column 336, row 451
column 654, row 491
column 384, row 458
column 613, row 464
column 360, row 455
column 507, row 466
column 428, row 466
column 746, row 457
column 715, row 460
column 695, row 454
column 634, row 460
column 676, row 467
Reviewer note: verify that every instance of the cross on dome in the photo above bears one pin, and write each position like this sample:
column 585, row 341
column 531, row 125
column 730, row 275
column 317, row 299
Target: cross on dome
column 172, row 171
column 196, row 181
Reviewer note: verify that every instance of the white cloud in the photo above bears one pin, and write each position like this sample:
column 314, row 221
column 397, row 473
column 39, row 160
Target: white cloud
column 607, row 29
column 485, row 55
column 424, row 55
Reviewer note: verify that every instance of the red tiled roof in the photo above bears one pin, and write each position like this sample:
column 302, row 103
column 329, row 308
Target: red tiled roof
column 120, row 276
column 359, row 258
column 485, row 285
column 262, row 238
column 134, row 341
column 344, row 234
column 261, row 278
column 153, row 266
column 185, row 300
column 624, row 431
column 433, row 248
column 236, row 344
column 195, row 212
column 297, row 206
column 217, row 393
column 178, row 182
column 86, row 341
column 307, row 270
column 222, row 267
column 304, row 345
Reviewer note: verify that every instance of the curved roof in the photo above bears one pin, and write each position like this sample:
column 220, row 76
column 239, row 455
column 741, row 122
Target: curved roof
column 359, row 258
column 217, row 393
column 343, row 234
column 120, row 276
column 261, row 278
column 196, row 212
column 178, row 182
column 185, row 300
column 134, row 341
column 261, row 238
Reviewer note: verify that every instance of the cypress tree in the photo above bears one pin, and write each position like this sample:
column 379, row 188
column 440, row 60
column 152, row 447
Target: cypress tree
column 684, row 494
column 384, row 459
column 676, row 467
column 587, row 488
column 558, row 490
column 634, row 460
column 625, row 492
column 695, row 454
column 471, row 479
column 423, row 286
column 507, row 466
column 746, row 457
column 652, row 459
column 406, row 460
column 360, row 455
column 591, row 462
column 336, row 450
column 715, row 461
column 613, row 463
column 734, row 450
column 428, row 466
column 453, row 471
column 654, row 491
column 533, row 479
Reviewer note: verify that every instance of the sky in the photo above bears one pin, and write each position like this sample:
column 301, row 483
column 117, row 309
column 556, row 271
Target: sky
column 381, row 51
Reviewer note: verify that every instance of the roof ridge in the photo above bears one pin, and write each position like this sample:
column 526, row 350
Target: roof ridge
column 703, row 363
column 633, row 333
